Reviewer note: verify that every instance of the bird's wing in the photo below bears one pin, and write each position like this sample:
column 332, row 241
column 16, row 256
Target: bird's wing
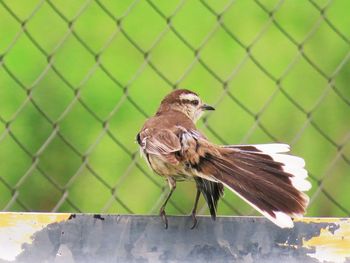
column 163, row 143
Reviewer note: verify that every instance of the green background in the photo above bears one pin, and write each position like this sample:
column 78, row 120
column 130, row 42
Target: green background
column 79, row 78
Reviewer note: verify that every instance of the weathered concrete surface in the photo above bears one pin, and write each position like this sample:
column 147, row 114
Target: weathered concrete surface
column 30, row 237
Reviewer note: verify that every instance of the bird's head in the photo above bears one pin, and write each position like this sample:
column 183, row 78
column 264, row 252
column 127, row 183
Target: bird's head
column 185, row 101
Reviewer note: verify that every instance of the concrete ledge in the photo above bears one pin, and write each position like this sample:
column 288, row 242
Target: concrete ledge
column 48, row 237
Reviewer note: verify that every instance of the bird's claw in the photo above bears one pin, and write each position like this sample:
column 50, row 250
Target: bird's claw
column 164, row 217
column 194, row 220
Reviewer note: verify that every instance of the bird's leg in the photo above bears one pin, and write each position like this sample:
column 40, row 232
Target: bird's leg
column 172, row 185
column 194, row 210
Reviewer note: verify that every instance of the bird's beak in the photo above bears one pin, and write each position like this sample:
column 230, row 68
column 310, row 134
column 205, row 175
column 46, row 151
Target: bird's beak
column 207, row 107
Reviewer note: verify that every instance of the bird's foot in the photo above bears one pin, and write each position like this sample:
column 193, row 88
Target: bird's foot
column 194, row 220
column 164, row 217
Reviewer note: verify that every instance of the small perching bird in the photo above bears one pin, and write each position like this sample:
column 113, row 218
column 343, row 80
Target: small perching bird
column 263, row 175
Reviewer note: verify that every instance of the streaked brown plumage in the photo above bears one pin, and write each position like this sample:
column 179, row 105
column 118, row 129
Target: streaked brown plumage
column 265, row 177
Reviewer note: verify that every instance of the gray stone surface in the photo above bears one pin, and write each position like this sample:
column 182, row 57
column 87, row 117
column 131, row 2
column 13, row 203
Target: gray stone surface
column 113, row 238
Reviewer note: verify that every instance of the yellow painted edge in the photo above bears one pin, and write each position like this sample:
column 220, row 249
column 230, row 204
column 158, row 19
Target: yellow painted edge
column 309, row 220
column 8, row 219
column 18, row 228
column 331, row 245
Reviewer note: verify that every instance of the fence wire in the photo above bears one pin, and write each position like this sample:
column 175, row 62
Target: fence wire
column 79, row 78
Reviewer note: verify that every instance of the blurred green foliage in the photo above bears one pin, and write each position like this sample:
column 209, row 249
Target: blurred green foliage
column 78, row 78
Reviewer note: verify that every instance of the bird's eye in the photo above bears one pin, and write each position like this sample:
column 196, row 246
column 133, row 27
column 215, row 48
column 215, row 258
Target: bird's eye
column 195, row 102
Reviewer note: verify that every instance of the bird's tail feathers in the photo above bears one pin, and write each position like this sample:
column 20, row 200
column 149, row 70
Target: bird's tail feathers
column 269, row 180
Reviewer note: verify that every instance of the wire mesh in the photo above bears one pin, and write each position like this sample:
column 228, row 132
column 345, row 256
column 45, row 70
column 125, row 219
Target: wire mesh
column 78, row 79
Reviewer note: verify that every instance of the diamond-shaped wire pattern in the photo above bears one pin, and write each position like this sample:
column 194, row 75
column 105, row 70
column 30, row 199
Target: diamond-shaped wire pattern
column 79, row 78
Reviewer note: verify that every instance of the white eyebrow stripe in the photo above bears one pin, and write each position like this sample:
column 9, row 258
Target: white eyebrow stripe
column 189, row 96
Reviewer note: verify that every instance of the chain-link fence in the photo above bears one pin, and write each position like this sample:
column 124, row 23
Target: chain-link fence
column 79, row 78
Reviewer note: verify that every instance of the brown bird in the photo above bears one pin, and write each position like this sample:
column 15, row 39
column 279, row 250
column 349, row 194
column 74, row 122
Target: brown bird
column 264, row 176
